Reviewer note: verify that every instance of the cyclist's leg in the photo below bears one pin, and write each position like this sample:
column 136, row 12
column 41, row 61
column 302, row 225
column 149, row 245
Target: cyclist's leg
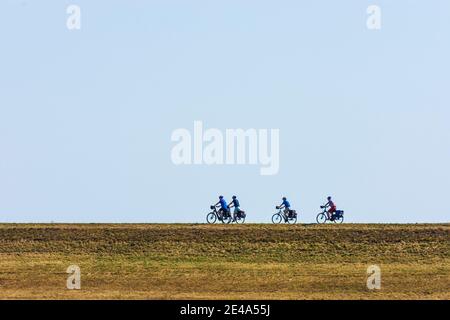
column 331, row 212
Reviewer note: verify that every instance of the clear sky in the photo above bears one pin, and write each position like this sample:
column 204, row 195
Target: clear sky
column 86, row 116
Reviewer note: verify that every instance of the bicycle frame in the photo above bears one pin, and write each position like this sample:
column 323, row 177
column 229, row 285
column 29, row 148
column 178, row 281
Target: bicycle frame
column 333, row 215
column 219, row 213
column 283, row 214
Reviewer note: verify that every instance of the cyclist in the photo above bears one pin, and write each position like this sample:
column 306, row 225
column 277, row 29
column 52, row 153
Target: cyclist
column 237, row 207
column 223, row 206
column 330, row 204
column 286, row 206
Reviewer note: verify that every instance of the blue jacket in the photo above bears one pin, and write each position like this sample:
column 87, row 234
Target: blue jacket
column 223, row 204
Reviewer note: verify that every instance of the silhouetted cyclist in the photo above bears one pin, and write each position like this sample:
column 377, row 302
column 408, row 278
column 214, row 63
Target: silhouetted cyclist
column 286, row 206
column 236, row 205
column 223, row 206
column 330, row 204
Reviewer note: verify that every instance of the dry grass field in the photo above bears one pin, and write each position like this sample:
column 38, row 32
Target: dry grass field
column 224, row 262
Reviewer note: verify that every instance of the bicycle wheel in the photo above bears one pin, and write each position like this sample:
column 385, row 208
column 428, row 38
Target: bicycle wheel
column 339, row 219
column 292, row 220
column 277, row 218
column 321, row 218
column 227, row 219
column 240, row 220
column 211, row 218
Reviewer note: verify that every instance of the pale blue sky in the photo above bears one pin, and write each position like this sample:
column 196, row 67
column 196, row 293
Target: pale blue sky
column 86, row 116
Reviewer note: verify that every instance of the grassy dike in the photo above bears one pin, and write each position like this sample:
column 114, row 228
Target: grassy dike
column 139, row 261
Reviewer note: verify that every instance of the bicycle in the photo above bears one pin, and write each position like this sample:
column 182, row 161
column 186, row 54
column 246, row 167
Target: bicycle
column 336, row 217
column 239, row 217
column 290, row 218
column 215, row 215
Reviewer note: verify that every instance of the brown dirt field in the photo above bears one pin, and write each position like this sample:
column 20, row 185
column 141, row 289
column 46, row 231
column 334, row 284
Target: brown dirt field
column 138, row 261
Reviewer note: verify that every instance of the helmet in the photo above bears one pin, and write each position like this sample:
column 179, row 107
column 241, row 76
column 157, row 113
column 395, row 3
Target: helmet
column 284, row 198
column 220, row 197
column 234, row 197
